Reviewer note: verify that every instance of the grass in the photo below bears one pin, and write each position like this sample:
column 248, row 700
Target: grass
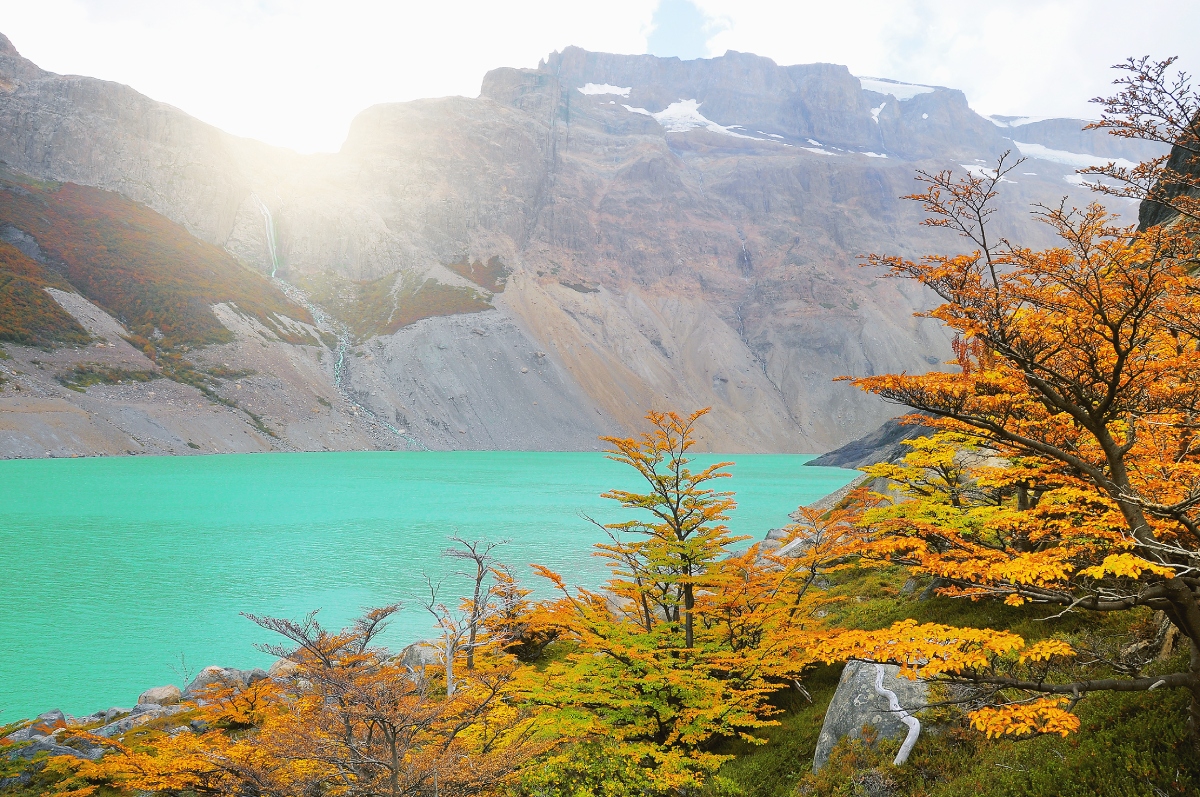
column 390, row 303
column 490, row 276
column 85, row 375
column 1129, row 744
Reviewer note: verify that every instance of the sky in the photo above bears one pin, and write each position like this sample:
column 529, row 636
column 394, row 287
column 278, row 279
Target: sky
column 296, row 72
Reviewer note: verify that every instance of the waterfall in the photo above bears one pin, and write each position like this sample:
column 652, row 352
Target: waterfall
column 272, row 244
column 325, row 322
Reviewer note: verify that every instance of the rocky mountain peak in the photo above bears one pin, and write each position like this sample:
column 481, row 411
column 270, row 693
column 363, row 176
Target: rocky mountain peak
column 819, row 106
column 6, row 47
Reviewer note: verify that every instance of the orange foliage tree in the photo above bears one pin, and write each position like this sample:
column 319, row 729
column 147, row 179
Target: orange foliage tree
column 349, row 719
column 1078, row 387
column 688, row 639
column 1154, row 105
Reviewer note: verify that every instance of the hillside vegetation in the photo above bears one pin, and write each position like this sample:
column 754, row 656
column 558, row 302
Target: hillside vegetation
column 28, row 314
column 148, row 272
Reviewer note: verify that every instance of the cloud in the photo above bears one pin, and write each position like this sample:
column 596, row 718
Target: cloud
column 295, row 72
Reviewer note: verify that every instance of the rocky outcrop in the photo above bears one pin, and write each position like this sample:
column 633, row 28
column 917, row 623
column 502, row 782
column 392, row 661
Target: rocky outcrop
column 872, row 695
column 52, row 731
column 885, row 444
column 222, row 676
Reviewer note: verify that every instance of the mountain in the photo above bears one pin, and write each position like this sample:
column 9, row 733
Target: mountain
column 583, row 241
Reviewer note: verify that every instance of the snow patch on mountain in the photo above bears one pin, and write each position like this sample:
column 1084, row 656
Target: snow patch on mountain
column 901, row 91
column 682, row 116
column 1076, row 160
column 605, row 88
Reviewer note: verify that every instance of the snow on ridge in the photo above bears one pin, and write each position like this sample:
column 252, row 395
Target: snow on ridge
column 1076, row 159
column 875, row 112
column 1017, row 121
column 818, row 148
column 605, row 88
column 682, row 116
column 901, row 91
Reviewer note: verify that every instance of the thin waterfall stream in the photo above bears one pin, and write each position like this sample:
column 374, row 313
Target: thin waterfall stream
column 326, row 323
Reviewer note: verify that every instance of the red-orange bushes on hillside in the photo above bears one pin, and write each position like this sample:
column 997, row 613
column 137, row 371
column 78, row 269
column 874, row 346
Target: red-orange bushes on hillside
column 28, row 315
column 143, row 268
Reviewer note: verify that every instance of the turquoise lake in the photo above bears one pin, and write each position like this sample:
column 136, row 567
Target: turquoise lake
column 111, row 569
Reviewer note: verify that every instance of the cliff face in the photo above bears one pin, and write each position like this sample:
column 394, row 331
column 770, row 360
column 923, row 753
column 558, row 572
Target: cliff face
column 674, row 234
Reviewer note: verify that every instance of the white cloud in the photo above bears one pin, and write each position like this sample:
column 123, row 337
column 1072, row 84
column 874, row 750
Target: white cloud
column 295, row 72
column 1012, row 57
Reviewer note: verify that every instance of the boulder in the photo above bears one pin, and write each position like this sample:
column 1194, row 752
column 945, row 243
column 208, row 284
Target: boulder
column 228, row 676
column 872, row 695
column 283, row 668
column 47, row 723
column 420, row 655
column 141, row 714
column 98, row 716
column 79, row 748
column 161, row 695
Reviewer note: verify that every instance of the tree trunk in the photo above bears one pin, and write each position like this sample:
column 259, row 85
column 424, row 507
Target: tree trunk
column 450, row 651
column 689, row 602
column 395, row 774
column 1194, row 708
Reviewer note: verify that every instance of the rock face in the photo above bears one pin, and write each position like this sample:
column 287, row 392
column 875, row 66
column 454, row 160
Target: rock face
column 885, row 444
column 674, row 235
column 862, row 699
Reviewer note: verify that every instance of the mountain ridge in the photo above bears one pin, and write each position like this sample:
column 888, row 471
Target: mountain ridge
column 696, row 248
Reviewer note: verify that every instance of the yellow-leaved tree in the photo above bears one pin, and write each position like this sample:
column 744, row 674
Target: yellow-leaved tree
column 689, row 638
column 1067, row 471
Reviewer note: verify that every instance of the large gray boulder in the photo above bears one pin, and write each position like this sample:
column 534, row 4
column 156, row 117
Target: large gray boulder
column 283, row 668
column 870, row 694
column 141, row 714
column 420, row 655
column 161, row 695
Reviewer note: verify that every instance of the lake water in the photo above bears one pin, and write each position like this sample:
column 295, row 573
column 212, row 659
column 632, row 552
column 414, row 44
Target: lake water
column 112, row 568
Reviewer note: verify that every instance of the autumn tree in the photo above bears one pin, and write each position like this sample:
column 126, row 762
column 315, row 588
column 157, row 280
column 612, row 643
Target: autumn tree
column 1154, row 104
column 689, row 638
column 349, row 719
column 1078, row 379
